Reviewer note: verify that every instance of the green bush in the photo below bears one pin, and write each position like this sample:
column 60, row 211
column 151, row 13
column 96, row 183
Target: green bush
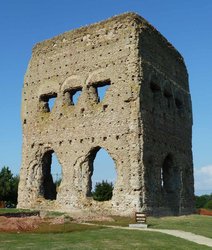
column 208, row 205
column 103, row 191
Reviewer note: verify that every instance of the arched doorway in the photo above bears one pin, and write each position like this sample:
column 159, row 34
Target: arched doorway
column 101, row 168
column 51, row 175
column 170, row 184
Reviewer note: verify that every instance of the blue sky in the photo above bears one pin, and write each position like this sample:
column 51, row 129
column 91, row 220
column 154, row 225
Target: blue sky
column 186, row 24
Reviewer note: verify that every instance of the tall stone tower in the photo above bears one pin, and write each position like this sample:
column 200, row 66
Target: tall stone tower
column 144, row 121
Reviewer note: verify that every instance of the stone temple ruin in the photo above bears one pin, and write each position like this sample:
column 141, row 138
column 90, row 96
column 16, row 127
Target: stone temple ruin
column 144, row 121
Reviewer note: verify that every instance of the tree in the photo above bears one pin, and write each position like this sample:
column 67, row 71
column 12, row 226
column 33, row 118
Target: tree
column 8, row 186
column 208, row 205
column 103, row 191
column 14, row 190
column 202, row 200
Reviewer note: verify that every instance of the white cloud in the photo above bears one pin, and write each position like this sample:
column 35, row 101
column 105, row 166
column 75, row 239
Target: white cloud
column 203, row 180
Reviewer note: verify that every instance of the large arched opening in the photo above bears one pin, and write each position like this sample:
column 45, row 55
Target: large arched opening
column 102, row 169
column 51, row 175
column 170, row 183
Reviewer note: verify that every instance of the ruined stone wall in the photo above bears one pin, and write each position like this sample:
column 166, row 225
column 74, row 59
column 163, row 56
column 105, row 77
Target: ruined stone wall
column 139, row 122
column 83, row 60
column 167, row 127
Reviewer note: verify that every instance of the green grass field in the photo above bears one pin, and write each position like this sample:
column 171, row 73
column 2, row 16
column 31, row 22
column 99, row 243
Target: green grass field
column 71, row 235
column 198, row 224
column 95, row 238
column 13, row 210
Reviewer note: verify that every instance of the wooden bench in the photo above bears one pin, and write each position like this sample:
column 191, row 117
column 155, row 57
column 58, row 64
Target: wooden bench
column 140, row 217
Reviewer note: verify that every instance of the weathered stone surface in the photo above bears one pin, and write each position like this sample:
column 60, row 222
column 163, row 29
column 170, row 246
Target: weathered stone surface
column 144, row 121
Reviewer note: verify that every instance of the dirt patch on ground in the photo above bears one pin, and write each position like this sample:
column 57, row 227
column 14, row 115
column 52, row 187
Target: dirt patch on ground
column 205, row 212
column 19, row 224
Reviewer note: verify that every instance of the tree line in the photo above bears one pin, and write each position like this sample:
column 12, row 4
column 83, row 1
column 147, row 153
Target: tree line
column 204, row 201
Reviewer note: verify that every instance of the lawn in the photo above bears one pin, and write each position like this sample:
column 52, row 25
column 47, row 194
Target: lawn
column 71, row 235
column 95, row 238
column 13, row 210
column 198, row 224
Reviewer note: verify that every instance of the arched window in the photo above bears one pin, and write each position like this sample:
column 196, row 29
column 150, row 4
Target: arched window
column 156, row 94
column 101, row 88
column 72, row 95
column 155, row 87
column 47, row 101
column 168, row 96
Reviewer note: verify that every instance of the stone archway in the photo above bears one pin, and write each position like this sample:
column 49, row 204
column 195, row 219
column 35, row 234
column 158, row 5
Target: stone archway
column 86, row 170
column 48, row 188
column 170, row 183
